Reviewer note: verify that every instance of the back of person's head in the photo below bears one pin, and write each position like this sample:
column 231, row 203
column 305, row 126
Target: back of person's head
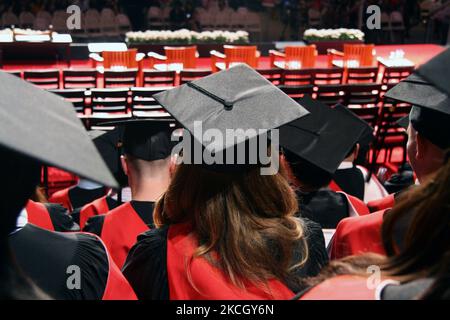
column 428, row 137
column 304, row 174
column 245, row 217
column 425, row 251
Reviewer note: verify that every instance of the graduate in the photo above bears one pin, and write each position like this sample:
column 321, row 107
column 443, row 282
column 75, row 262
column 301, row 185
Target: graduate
column 356, row 180
column 83, row 192
column 416, row 268
column 38, row 263
column 146, row 161
column 313, row 147
column 108, row 144
column 226, row 226
column 428, row 138
column 50, row 216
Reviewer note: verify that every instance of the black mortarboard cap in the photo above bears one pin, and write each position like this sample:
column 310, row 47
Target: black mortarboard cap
column 404, row 122
column 366, row 137
column 437, row 71
column 42, row 126
column 415, row 90
column 107, row 144
column 324, row 137
column 237, row 98
column 146, row 139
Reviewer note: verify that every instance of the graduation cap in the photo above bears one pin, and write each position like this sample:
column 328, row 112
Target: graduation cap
column 430, row 114
column 324, row 137
column 108, row 143
column 145, row 139
column 366, row 137
column 237, row 99
column 437, row 70
column 41, row 126
column 404, row 122
column 415, row 90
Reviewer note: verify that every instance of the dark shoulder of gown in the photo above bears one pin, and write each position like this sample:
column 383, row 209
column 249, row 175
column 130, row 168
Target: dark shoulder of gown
column 317, row 256
column 324, row 206
column 95, row 225
column 80, row 197
column 408, row 291
column 61, row 219
column 146, row 265
column 50, row 258
column 112, row 204
column 351, row 181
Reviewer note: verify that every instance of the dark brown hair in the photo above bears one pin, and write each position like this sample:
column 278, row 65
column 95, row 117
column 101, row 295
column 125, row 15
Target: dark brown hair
column 426, row 248
column 245, row 217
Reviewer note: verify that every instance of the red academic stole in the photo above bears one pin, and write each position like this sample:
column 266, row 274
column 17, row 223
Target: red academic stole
column 210, row 282
column 117, row 286
column 344, row 287
column 62, row 197
column 39, row 216
column 95, row 208
column 358, row 235
column 120, row 229
column 382, row 204
column 357, row 207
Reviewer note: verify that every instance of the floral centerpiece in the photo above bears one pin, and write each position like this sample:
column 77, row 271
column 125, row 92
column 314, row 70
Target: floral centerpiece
column 185, row 36
column 333, row 34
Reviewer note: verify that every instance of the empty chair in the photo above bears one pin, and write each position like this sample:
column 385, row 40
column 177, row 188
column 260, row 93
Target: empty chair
column 396, row 74
column 397, row 26
column 389, row 135
column 159, row 78
column 176, row 58
column 296, row 92
column 234, row 55
column 44, row 15
column 83, row 78
column 122, row 59
column 328, row 75
column 331, row 94
column 75, row 96
column 123, row 23
column 26, row 19
column 298, row 76
column 59, row 23
column 142, row 99
column 109, row 100
column 363, row 95
column 189, row 75
column 92, row 24
column 120, row 78
column 223, row 19
column 362, row 74
column 41, row 24
column 154, row 18
column 9, row 19
column 274, row 75
column 46, row 79
column 294, row 57
column 108, row 25
column 314, row 18
column 354, row 55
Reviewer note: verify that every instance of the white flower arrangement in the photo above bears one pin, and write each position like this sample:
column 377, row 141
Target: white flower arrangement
column 185, row 36
column 333, row 34
column 27, row 32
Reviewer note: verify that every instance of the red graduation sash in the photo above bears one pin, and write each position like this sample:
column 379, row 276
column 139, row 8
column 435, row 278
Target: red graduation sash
column 210, row 282
column 62, row 197
column 358, row 235
column 120, row 230
column 38, row 215
column 382, row 204
column 95, row 208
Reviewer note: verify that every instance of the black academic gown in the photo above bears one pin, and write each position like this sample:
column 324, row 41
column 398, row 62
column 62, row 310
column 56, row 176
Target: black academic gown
column 146, row 265
column 51, row 258
column 76, row 197
column 50, row 216
column 324, row 206
column 351, row 181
